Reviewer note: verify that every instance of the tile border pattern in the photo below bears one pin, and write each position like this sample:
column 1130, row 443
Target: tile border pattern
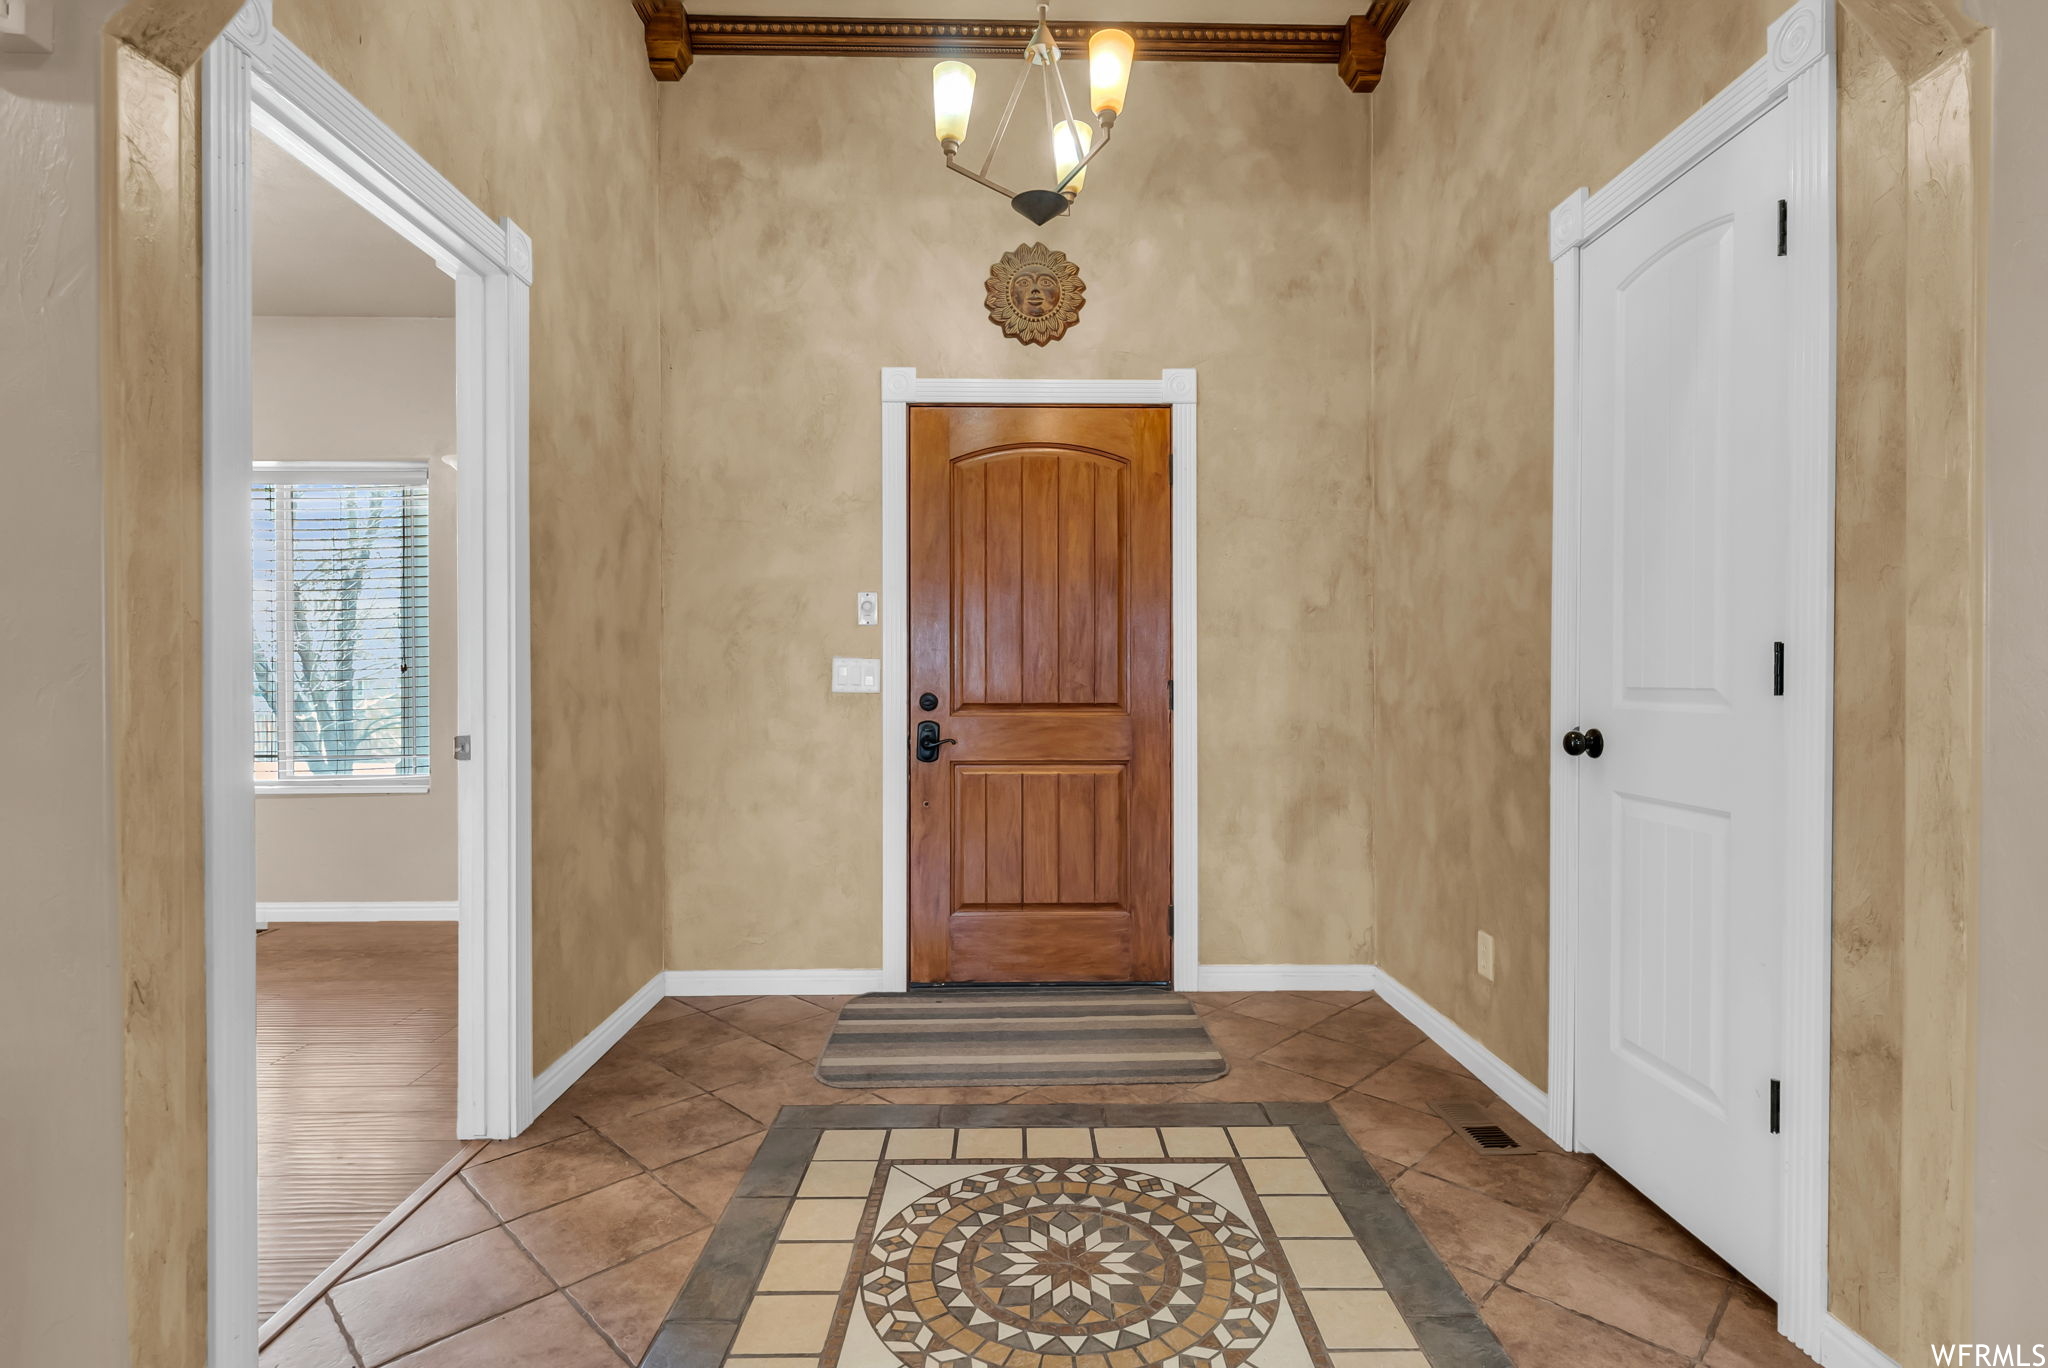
column 705, row 1317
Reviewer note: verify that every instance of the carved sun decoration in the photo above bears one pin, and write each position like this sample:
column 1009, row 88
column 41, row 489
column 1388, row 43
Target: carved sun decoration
column 1035, row 294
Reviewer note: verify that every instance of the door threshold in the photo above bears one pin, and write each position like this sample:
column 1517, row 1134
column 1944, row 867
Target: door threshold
column 1037, row 983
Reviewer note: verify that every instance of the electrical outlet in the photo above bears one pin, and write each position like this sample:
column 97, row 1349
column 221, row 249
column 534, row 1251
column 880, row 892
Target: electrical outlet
column 1486, row 957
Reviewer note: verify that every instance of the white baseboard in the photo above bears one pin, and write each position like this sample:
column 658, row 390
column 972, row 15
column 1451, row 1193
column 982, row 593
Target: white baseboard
column 554, row 1080
column 1275, row 978
column 356, row 911
column 771, row 982
column 1841, row 1347
column 1486, row 1066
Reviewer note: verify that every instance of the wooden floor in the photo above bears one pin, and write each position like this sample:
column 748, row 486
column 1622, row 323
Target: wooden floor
column 355, row 1051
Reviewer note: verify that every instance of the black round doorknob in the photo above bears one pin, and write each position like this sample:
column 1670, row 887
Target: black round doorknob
column 1587, row 742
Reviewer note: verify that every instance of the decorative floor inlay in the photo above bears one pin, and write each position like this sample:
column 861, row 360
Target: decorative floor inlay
column 1198, row 1236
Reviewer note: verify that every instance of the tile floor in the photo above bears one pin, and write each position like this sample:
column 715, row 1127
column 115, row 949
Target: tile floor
column 566, row 1246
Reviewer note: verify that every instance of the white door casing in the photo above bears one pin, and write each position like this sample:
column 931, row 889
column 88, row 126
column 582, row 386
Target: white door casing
column 253, row 79
column 1795, row 84
column 1682, row 549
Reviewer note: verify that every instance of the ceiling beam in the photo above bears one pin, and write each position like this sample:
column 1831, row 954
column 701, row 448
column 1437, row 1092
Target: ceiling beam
column 668, row 37
column 1364, row 56
column 1356, row 48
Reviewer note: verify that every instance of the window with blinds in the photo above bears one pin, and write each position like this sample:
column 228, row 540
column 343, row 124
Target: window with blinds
column 341, row 626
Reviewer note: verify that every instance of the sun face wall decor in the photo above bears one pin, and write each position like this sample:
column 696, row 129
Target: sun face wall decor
column 1035, row 294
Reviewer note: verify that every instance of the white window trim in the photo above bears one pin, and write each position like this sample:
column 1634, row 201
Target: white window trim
column 329, row 473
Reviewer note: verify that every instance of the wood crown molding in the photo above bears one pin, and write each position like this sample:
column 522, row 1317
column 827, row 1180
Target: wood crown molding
column 1356, row 48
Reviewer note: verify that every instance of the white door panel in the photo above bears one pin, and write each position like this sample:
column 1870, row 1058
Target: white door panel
column 1681, row 573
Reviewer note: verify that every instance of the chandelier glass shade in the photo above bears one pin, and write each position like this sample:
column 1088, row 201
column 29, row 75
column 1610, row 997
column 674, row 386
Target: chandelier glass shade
column 1075, row 142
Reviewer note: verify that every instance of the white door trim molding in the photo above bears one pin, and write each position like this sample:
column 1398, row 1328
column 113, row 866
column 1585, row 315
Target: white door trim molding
column 254, row 78
column 1798, row 71
column 358, row 911
column 902, row 387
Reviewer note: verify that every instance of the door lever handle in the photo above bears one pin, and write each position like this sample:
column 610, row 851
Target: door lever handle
column 929, row 741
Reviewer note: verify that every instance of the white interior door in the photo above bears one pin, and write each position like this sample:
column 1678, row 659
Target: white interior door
column 1683, row 549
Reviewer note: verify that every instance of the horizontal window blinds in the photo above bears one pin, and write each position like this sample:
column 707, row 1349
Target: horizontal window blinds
column 341, row 632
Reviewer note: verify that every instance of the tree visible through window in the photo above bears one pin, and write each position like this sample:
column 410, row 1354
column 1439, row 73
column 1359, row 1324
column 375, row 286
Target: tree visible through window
column 341, row 632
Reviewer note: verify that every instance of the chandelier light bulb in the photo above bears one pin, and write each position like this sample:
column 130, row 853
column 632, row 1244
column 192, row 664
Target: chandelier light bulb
column 1109, row 69
column 952, row 102
column 1070, row 143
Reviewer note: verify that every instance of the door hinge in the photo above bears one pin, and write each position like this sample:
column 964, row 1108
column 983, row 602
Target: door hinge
column 462, row 748
column 1169, row 695
column 1774, row 1106
column 1784, row 228
column 1778, row 669
column 1169, row 921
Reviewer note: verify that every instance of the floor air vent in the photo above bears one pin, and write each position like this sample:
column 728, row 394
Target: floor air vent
column 1479, row 1130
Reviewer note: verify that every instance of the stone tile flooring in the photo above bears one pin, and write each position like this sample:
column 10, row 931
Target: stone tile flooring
column 566, row 1246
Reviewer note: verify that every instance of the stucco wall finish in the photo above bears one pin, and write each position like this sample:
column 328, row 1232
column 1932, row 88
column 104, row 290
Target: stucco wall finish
column 1225, row 230
column 62, row 1253
column 544, row 112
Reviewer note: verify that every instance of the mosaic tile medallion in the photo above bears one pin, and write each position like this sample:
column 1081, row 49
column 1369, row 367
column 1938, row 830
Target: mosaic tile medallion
column 1212, row 1236
column 1069, row 1261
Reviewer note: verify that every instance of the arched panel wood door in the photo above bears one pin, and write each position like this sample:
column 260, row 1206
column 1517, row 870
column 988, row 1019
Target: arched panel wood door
column 1041, row 732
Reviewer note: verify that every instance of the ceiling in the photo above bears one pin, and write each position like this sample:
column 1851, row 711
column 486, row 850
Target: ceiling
column 317, row 252
column 1111, row 11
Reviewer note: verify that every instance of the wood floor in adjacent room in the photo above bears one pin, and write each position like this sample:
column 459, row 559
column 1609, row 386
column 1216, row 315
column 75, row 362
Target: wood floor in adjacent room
column 355, row 1051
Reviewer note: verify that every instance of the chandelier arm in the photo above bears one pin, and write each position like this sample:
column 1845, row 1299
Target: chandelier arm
column 1003, row 125
column 979, row 179
column 1082, row 165
column 1053, row 75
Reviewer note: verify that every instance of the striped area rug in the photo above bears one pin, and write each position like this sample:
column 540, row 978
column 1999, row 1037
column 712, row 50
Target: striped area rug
column 987, row 1037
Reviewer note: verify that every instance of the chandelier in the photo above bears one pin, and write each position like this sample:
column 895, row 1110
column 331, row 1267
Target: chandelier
column 1074, row 143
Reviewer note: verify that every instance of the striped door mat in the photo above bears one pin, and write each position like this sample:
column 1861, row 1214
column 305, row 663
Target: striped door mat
column 980, row 1038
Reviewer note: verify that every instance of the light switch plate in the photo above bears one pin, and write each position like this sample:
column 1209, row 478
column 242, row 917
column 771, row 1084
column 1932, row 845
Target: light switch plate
column 867, row 608
column 28, row 25
column 851, row 674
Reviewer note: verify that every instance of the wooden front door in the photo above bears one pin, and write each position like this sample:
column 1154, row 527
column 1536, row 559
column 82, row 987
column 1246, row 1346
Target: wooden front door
column 1041, row 594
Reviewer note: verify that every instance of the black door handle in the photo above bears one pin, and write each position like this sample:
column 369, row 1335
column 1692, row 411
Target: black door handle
column 1588, row 742
column 929, row 741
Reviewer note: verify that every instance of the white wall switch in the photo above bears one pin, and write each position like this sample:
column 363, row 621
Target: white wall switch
column 867, row 608
column 28, row 25
column 1486, row 957
column 850, row 674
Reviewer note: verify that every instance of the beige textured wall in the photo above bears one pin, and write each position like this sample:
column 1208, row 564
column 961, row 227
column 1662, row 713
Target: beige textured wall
column 544, row 112
column 1487, row 118
column 60, row 991
column 2012, row 1024
column 1870, row 709
column 368, row 389
column 816, row 238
